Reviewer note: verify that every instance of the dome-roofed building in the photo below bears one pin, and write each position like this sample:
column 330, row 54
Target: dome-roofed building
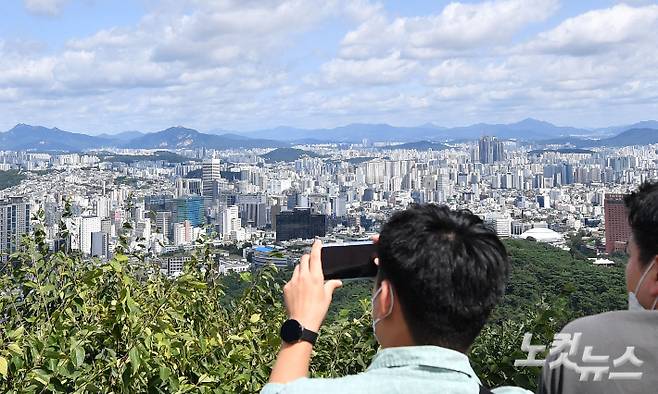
column 542, row 235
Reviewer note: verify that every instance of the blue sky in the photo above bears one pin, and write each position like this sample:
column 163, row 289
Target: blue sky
column 113, row 65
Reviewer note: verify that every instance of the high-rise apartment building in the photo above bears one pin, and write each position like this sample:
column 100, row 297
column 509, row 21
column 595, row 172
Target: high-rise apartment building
column 14, row 222
column 229, row 220
column 617, row 229
column 490, row 150
column 210, row 173
column 163, row 224
column 88, row 225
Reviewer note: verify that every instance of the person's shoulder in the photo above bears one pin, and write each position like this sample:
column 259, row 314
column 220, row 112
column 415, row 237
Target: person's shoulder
column 347, row 383
column 606, row 321
column 510, row 390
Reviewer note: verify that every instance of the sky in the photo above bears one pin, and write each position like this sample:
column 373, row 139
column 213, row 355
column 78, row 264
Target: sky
column 99, row 66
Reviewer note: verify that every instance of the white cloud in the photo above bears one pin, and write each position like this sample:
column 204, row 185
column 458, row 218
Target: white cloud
column 45, row 7
column 386, row 70
column 458, row 27
column 601, row 31
column 227, row 64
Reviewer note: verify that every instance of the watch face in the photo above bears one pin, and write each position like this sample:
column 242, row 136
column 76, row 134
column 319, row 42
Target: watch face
column 291, row 331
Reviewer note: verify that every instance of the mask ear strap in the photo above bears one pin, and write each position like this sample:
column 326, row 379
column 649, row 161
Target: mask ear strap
column 390, row 308
column 644, row 275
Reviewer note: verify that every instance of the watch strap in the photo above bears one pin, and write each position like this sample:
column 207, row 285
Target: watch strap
column 309, row 336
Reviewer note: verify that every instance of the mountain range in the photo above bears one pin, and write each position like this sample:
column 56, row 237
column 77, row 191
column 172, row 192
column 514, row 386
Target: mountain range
column 39, row 138
column 630, row 137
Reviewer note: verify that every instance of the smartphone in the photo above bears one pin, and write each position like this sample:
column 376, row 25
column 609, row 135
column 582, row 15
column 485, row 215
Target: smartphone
column 349, row 260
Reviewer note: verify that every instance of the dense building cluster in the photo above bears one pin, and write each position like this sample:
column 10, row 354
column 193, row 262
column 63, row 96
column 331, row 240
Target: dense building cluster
column 342, row 192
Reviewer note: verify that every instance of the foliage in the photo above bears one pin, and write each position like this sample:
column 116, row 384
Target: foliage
column 499, row 345
column 540, row 271
column 73, row 326
column 10, row 178
column 164, row 156
column 120, row 326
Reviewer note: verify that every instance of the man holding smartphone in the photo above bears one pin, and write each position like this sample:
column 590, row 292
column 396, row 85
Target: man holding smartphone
column 440, row 274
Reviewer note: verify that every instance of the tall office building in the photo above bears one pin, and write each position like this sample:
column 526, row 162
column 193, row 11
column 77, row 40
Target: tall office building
column 617, row 229
column 106, row 227
column 14, row 222
column 189, row 208
column 300, row 223
column 210, row 173
column 253, row 209
column 100, row 245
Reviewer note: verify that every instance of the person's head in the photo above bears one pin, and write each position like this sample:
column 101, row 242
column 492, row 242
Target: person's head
column 443, row 271
column 642, row 206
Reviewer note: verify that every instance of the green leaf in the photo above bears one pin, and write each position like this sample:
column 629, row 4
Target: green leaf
column 79, row 356
column 17, row 333
column 3, row 366
column 255, row 318
column 14, row 348
column 206, row 379
column 164, row 373
column 245, row 276
column 41, row 376
column 116, row 266
column 135, row 359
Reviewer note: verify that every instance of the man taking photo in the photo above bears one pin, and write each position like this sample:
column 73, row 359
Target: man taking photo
column 441, row 272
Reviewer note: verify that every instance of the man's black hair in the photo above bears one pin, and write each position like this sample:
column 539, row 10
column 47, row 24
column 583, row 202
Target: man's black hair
column 448, row 271
column 642, row 208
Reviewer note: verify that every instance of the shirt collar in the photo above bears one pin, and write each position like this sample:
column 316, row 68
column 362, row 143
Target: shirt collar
column 428, row 356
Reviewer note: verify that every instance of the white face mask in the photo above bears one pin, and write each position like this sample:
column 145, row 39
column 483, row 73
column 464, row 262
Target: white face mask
column 633, row 302
column 378, row 319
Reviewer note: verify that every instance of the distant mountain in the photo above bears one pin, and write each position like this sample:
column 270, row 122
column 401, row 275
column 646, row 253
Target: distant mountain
column 631, row 137
column 626, row 138
column 351, row 133
column 124, row 136
column 27, row 137
column 183, row 138
column 528, row 129
column 420, row 145
column 287, row 155
column 645, row 124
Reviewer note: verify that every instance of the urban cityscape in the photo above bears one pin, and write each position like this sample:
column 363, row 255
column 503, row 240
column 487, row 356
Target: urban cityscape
column 243, row 199
column 343, row 196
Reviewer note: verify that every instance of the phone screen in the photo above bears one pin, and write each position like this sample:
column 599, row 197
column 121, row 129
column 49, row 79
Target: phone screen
column 349, row 260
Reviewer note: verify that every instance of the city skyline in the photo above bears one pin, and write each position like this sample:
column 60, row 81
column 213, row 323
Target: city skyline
column 99, row 67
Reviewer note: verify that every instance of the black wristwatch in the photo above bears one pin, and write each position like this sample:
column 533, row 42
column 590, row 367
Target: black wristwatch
column 292, row 331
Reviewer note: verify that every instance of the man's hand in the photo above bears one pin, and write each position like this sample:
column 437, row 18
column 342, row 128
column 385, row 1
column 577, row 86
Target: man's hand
column 306, row 295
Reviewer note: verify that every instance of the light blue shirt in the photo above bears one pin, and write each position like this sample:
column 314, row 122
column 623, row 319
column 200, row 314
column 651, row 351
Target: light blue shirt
column 413, row 369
